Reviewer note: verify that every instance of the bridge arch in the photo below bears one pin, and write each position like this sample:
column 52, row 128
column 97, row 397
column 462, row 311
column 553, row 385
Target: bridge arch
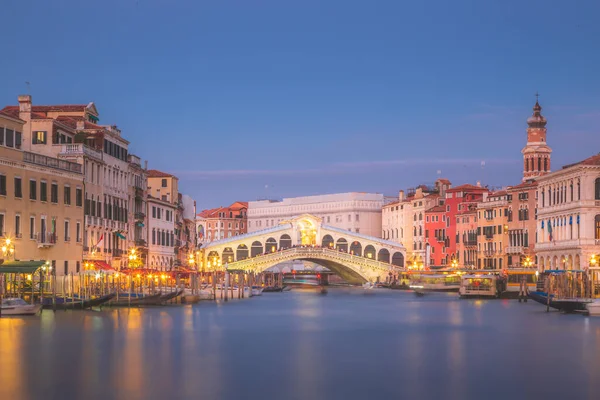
column 398, row 259
column 383, row 255
column 256, row 249
column 241, row 252
column 228, row 255
column 285, row 241
column 270, row 245
column 327, row 241
column 369, row 251
column 342, row 245
column 356, row 248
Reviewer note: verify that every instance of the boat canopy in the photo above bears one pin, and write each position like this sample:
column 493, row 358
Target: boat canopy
column 484, row 276
column 20, row 267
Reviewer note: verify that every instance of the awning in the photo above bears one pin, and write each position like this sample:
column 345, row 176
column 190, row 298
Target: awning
column 101, row 266
column 20, row 267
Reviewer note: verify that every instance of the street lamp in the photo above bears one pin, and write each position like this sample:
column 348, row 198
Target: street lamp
column 134, row 260
column 593, row 260
column 454, row 263
column 8, row 249
column 191, row 260
column 528, row 262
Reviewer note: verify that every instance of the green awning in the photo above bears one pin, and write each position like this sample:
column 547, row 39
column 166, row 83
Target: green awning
column 20, row 267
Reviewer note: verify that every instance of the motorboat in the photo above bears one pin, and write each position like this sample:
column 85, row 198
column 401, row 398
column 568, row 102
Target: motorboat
column 593, row 308
column 368, row 285
column 18, row 306
column 257, row 291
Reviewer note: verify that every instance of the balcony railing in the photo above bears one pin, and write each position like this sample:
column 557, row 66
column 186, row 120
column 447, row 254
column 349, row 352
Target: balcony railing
column 470, row 242
column 139, row 215
column 79, row 150
column 46, row 239
column 140, row 243
column 51, row 162
column 514, row 250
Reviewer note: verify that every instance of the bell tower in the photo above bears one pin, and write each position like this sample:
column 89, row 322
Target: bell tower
column 536, row 153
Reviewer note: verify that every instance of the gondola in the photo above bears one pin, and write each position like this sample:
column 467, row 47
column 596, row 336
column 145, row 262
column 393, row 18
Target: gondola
column 419, row 293
column 566, row 305
column 272, row 289
column 151, row 300
column 65, row 303
column 170, row 296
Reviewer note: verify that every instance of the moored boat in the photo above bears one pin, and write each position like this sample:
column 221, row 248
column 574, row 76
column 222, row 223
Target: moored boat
column 593, row 308
column 567, row 305
column 72, row 303
column 18, row 306
column 257, row 291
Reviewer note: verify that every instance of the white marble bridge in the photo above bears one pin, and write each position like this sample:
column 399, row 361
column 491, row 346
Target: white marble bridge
column 356, row 258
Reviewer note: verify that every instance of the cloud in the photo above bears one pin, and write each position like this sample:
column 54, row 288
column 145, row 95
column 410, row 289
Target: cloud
column 341, row 168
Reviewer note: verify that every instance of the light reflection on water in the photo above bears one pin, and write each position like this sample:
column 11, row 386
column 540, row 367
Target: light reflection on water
column 306, row 346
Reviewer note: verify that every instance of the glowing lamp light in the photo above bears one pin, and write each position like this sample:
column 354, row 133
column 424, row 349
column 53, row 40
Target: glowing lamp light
column 97, row 276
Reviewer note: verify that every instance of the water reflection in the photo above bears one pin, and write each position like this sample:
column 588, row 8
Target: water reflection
column 302, row 345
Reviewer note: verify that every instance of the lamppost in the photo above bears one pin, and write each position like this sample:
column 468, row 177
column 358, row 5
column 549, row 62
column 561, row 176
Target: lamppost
column 8, row 249
column 454, row 263
column 528, row 262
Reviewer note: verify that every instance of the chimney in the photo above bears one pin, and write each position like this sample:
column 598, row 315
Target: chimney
column 146, row 165
column 80, row 125
column 478, row 183
column 25, row 107
column 401, row 195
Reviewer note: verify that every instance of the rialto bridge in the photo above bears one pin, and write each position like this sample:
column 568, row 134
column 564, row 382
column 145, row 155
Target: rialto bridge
column 356, row 258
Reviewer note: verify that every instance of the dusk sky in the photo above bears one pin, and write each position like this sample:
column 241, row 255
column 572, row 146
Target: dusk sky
column 252, row 99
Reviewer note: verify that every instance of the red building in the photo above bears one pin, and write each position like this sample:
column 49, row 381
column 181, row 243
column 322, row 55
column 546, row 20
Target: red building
column 223, row 222
column 458, row 200
column 436, row 236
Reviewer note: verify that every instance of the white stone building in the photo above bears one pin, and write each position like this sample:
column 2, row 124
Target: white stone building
column 568, row 216
column 355, row 212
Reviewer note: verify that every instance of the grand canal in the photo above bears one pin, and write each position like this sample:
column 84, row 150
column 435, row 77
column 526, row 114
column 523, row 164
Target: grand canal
column 299, row 345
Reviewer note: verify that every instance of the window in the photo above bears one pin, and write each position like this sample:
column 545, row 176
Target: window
column 164, row 183
column 2, row 185
column 39, row 137
column 67, row 238
column 18, row 226
column 78, row 232
column 357, row 218
column 32, row 190
column 153, row 236
column 10, row 138
column 78, row 197
column 43, row 191
column 18, row 188
column 66, row 268
column 54, row 193
column 153, row 212
column 1, row 225
column 597, row 220
column 77, row 266
column 31, row 227
column 67, row 195
column 1, row 136
column 597, row 189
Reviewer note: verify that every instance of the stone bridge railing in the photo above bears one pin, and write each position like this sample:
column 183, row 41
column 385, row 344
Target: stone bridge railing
column 362, row 265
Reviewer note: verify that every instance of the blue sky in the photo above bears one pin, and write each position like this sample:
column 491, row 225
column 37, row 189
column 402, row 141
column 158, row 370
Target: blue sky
column 250, row 99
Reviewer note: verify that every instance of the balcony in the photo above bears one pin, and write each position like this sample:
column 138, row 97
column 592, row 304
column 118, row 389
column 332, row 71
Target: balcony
column 470, row 243
column 45, row 239
column 489, row 237
column 74, row 150
column 489, row 253
column 440, row 238
column 139, row 215
column 140, row 243
column 139, row 192
column 515, row 250
column 117, row 252
column 51, row 162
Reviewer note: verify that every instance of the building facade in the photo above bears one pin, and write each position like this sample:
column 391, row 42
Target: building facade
column 459, row 199
column 522, row 213
column 568, row 219
column 436, row 236
column 161, row 225
column 466, row 235
column 356, row 212
column 41, row 202
column 72, row 133
column 223, row 222
column 492, row 229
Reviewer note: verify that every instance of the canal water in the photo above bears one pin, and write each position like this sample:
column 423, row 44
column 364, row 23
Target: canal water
column 301, row 345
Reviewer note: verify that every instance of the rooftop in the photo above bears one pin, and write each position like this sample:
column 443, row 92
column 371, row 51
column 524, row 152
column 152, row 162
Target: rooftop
column 466, row 187
column 154, row 173
column 593, row 160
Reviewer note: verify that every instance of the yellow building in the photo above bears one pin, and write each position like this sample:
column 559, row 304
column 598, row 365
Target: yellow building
column 41, row 203
column 492, row 231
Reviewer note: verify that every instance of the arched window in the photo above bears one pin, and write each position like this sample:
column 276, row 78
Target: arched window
column 597, row 220
column 539, row 163
column 415, row 231
column 420, row 231
column 597, row 189
column 420, row 217
column 545, row 164
column 526, row 165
